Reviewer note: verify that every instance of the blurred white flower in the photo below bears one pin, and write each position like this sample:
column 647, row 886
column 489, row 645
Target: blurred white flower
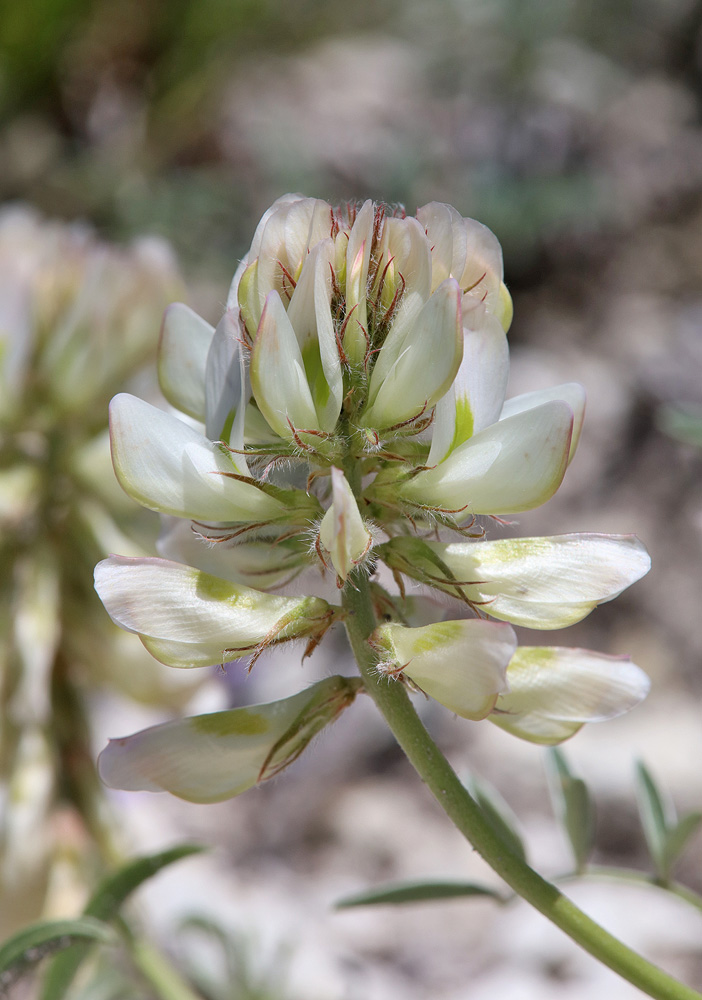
column 76, row 320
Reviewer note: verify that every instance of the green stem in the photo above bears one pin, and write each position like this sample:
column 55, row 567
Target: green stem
column 160, row 972
column 431, row 765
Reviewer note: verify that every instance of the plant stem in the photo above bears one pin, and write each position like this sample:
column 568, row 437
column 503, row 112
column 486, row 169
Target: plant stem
column 431, row 765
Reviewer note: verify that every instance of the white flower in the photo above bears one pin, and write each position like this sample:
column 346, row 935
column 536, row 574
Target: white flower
column 354, row 394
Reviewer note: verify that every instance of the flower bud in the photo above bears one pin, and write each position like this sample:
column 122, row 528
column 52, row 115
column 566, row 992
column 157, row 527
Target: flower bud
column 342, row 531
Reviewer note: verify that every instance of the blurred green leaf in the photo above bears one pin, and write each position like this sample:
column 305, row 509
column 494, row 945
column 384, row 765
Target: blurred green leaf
column 681, row 422
column 417, row 892
column 104, row 905
column 678, row 837
column 654, row 817
column 573, row 805
column 31, row 944
column 498, row 814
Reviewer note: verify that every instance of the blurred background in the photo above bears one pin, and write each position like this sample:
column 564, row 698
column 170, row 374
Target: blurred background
column 573, row 128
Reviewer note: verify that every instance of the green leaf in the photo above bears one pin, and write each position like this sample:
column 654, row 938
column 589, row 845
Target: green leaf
column 655, row 818
column 417, row 892
column 573, row 805
column 104, row 905
column 31, row 944
column 678, row 837
column 683, row 422
column 498, row 814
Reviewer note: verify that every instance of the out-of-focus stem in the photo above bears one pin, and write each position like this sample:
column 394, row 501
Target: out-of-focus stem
column 431, row 765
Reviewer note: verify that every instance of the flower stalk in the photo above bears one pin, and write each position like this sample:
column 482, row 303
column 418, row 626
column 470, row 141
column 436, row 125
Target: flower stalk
column 436, row 772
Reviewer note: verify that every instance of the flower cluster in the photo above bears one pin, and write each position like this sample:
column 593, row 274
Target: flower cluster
column 347, row 414
column 76, row 320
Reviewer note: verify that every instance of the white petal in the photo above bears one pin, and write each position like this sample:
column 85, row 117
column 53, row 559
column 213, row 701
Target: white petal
column 224, row 390
column 280, row 205
column 438, row 220
column 409, row 250
column 278, row 374
column 309, row 313
column 258, row 564
column 426, row 366
column 342, row 531
column 167, row 600
column 182, row 357
column 357, row 260
column 554, row 691
column 478, row 391
column 208, row 758
column 570, row 392
column 284, row 241
column 513, row 465
column 546, row 582
column 462, row 664
column 167, row 466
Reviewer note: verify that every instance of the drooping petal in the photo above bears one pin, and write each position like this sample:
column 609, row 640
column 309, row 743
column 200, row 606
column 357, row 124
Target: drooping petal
column 478, row 391
column 554, row 691
column 177, row 603
column 342, row 531
column 543, row 583
column 571, row 393
column 167, row 466
column 277, row 373
column 182, row 358
column 426, row 366
column 208, row 758
column 462, row 664
column 513, row 465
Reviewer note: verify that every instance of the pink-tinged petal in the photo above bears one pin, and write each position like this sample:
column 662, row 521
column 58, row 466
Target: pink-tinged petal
column 277, row 373
column 357, row 261
column 570, row 392
column 461, row 664
column 555, row 690
column 182, row 358
column 513, row 465
column 167, row 466
column 208, row 758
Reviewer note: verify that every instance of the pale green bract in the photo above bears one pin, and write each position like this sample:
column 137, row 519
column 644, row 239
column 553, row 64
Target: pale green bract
column 349, row 411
